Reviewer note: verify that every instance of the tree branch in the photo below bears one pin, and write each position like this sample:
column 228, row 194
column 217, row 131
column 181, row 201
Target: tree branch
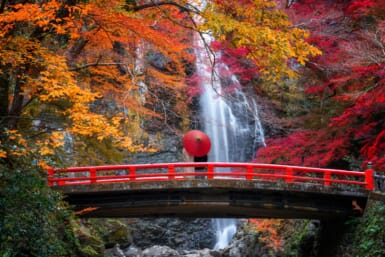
column 97, row 63
column 2, row 5
column 172, row 3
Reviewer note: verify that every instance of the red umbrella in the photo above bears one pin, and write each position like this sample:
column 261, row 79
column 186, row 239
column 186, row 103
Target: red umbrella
column 196, row 143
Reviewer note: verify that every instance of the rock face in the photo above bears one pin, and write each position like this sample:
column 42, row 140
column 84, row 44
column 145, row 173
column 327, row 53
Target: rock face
column 170, row 149
column 159, row 251
column 179, row 240
column 179, row 234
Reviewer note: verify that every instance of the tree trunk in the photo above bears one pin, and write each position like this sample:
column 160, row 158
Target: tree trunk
column 16, row 106
column 2, row 5
column 77, row 47
column 4, row 100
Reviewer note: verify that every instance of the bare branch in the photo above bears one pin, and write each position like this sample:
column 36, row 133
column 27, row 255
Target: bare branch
column 97, row 63
column 153, row 4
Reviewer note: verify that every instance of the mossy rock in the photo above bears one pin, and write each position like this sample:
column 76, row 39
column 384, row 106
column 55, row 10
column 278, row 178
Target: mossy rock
column 369, row 234
column 90, row 244
column 117, row 235
column 112, row 231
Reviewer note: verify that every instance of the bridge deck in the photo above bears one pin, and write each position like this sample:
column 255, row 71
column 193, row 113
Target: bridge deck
column 221, row 190
column 215, row 198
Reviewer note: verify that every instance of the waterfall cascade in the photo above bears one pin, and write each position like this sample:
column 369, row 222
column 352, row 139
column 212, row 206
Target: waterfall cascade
column 232, row 123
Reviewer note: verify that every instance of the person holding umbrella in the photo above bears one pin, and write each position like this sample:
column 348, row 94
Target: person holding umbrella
column 196, row 144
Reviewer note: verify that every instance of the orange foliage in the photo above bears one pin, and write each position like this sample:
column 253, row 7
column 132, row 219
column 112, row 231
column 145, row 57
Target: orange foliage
column 267, row 228
column 86, row 210
column 67, row 58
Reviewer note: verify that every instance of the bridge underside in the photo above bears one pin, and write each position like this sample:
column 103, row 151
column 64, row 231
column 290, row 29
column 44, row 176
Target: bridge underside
column 214, row 199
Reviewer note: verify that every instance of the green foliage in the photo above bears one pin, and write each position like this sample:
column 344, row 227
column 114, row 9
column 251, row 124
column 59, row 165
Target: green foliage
column 111, row 231
column 34, row 220
column 370, row 232
column 297, row 237
column 87, row 242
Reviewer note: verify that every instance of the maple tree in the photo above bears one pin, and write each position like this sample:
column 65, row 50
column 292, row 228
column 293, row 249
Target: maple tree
column 62, row 64
column 261, row 32
column 343, row 126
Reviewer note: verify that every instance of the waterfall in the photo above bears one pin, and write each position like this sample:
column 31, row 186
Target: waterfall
column 231, row 121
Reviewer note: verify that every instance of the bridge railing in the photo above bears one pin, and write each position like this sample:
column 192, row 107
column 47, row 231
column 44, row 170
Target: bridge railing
column 379, row 182
column 208, row 170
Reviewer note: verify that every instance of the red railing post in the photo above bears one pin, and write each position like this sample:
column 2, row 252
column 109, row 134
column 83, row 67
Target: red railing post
column 132, row 173
column 171, row 172
column 51, row 174
column 327, row 177
column 289, row 174
column 210, row 171
column 369, row 179
column 92, row 175
column 249, row 173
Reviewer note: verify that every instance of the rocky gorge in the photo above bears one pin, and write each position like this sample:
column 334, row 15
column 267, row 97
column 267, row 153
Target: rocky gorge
column 298, row 238
column 193, row 238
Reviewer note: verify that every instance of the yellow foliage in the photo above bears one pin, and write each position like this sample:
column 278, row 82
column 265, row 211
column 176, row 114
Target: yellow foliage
column 43, row 164
column 3, row 154
column 265, row 31
column 45, row 150
column 57, row 139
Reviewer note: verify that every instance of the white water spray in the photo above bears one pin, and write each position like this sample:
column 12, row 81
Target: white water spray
column 232, row 124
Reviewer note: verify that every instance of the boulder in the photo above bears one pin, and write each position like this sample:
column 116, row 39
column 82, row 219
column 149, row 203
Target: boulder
column 157, row 250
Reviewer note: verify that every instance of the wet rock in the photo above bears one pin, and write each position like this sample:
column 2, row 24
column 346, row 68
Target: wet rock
column 157, row 250
column 243, row 245
column 179, row 234
column 200, row 253
column 133, row 251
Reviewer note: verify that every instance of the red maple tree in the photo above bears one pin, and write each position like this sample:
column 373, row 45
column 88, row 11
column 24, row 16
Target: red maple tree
column 345, row 87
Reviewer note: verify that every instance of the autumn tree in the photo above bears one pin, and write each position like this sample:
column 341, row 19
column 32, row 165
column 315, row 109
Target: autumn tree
column 77, row 69
column 262, row 32
column 343, row 124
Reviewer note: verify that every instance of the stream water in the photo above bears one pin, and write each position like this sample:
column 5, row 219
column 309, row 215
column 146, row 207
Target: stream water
column 231, row 121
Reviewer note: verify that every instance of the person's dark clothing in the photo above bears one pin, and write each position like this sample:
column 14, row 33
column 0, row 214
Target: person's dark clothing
column 200, row 169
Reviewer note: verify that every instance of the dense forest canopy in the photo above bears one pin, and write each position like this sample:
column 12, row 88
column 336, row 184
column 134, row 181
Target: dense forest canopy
column 339, row 100
column 95, row 68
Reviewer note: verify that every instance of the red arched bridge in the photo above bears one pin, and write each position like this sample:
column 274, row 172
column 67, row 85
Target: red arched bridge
column 213, row 190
